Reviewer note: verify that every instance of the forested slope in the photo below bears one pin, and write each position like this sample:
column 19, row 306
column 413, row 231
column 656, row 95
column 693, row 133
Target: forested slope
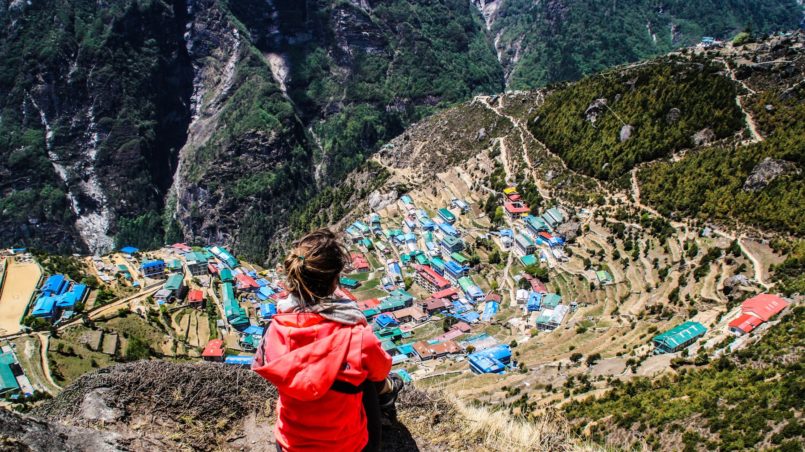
column 558, row 40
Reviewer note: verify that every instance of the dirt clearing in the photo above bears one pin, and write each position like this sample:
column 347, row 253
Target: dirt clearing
column 20, row 283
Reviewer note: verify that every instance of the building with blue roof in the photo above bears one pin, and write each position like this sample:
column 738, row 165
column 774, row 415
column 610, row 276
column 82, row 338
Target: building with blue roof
column 153, row 268
column 385, row 321
column 490, row 309
column 407, row 200
column 55, row 285
column 492, row 360
column 534, row 302
column 129, row 250
column 239, row 360
column 469, row 316
column 267, row 311
column 448, row 229
column 73, row 296
column 45, row 306
column 453, row 271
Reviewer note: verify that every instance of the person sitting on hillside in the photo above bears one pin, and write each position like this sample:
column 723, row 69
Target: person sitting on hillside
column 331, row 371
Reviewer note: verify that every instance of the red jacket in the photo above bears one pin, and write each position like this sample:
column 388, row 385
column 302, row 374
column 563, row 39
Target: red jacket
column 302, row 354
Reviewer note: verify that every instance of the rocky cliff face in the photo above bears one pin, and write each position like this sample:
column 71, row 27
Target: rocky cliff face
column 102, row 96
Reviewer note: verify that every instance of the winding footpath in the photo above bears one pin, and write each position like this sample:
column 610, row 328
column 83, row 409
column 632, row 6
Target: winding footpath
column 44, row 341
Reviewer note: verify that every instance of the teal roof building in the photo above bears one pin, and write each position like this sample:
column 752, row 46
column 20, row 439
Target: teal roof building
column 678, row 337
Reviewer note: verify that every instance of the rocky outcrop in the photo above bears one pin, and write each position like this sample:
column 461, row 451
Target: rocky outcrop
column 595, row 109
column 162, row 406
column 765, row 172
column 703, row 137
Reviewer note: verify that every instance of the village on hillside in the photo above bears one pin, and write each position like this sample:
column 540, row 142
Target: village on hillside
column 446, row 291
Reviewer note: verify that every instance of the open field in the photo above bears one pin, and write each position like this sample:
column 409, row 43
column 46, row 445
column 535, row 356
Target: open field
column 20, row 283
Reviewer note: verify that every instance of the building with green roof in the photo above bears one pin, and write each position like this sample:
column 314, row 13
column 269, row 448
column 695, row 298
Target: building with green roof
column 196, row 263
column 349, row 282
column 536, row 224
column 529, row 260
column 175, row 265
column 175, row 282
column 604, row 277
column 551, row 300
column 678, row 337
column 8, row 382
column 459, row 258
column 421, row 259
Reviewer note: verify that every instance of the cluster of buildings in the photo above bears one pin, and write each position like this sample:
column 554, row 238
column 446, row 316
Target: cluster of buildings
column 430, row 249
column 57, row 298
column 755, row 311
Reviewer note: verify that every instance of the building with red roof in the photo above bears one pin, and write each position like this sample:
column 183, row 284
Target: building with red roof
column 536, row 285
column 360, row 263
column 449, row 293
column 516, row 209
column 430, row 280
column 182, row 247
column 371, row 303
column 196, row 298
column 246, row 282
column 426, row 350
column 214, row 351
column 764, row 306
column 433, row 305
column 744, row 324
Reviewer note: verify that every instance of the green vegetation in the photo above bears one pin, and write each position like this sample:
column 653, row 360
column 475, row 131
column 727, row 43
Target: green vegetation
column 115, row 63
column 791, row 273
column 563, row 40
column 666, row 102
column 739, row 401
column 710, row 183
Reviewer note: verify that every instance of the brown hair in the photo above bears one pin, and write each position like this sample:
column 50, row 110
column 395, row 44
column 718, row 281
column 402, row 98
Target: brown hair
column 314, row 264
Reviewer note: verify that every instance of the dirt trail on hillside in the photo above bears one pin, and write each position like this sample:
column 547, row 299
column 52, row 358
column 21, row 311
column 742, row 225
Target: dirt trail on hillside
column 44, row 340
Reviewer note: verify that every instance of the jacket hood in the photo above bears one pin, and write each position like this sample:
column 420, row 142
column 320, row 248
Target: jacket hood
column 302, row 354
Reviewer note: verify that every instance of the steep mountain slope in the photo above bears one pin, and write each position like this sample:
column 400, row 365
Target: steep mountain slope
column 146, row 121
column 557, row 40
column 94, row 109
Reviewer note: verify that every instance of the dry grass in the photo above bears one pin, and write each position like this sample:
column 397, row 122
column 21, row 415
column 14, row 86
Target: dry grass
column 501, row 431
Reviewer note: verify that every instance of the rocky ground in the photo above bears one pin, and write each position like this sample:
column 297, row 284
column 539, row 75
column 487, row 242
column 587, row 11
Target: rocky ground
column 155, row 405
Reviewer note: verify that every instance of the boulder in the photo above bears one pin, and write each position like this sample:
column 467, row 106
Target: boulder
column 481, row 134
column 595, row 109
column 626, row 132
column 703, row 137
column 766, row 171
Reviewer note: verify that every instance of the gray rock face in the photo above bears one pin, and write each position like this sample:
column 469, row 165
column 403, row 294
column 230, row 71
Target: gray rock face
column 379, row 200
column 767, row 171
column 569, row 230
column 703, row 137
column 23, row 433
column 481, row 134
column 595, row 109
column 626, row 132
